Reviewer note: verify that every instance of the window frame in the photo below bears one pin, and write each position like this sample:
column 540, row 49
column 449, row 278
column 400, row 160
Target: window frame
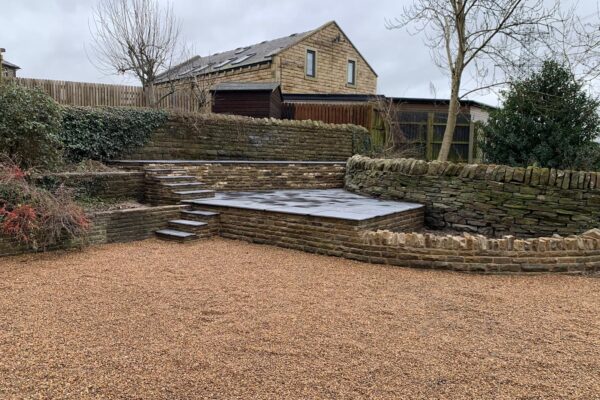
column 354, row 72
column 314, row 63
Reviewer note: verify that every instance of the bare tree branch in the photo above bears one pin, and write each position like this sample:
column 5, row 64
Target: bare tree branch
column 135, row 37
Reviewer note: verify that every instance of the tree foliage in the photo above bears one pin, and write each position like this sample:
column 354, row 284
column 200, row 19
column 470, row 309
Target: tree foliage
column 108, row 132
column 29, row 126
column 547, row 119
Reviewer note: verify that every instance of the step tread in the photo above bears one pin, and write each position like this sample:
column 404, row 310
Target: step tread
column 175, row 233
column 167, row 177
column 202, row 191
column 201, row 213
column 179, row 184
column 163, row 170
column 187, row 222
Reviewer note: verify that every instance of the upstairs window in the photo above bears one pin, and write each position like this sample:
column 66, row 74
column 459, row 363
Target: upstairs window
column 311, row 63
column 351, row 73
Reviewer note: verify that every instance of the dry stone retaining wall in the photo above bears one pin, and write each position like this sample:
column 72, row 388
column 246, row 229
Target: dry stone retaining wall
column 493, row 200
column 225, row 137
column 105, row 185
column 111, row 227
column 477, row 253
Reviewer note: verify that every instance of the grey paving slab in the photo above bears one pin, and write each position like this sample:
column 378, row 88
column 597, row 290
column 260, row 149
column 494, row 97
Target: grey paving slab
column 331, row 203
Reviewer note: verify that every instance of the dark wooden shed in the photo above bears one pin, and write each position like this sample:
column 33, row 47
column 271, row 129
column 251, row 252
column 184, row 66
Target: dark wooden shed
column 258, row 100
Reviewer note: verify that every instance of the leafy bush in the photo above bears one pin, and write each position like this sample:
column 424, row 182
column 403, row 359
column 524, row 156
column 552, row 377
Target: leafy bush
column 29, row 125
column 108, row 132
column 35, row 216
column 548, row 120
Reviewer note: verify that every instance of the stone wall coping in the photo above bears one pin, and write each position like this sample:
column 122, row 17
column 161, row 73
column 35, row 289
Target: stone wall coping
column 249, row 162
column 139, row 210
column 175, row 116
column 532, row 176
column 589, row 240
column 92, row 174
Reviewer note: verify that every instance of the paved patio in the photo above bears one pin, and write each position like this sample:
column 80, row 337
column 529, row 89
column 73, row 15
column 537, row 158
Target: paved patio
column 331, row 203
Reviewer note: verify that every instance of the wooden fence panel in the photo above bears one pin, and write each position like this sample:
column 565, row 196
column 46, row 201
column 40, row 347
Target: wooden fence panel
column 99, row 94
column 358, row 114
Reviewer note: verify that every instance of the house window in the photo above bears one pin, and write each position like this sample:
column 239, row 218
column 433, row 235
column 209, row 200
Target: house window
column 351, row 73
column 311, row 63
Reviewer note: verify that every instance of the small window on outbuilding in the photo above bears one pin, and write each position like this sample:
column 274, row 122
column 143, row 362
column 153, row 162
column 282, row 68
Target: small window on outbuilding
column 311, row 63
column 351, row 73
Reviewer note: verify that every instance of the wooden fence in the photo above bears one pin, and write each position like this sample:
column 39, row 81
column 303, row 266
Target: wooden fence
column 99, row 94
column 358, row 114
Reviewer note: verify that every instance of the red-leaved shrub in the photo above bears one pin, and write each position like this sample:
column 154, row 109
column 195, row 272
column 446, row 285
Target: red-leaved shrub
column 35, row 216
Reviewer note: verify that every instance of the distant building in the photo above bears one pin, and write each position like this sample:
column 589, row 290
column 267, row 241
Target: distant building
column 9, row 70
column 323, row 60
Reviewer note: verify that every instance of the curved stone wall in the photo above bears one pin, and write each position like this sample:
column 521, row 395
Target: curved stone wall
column 493, row 200
column 477, row 253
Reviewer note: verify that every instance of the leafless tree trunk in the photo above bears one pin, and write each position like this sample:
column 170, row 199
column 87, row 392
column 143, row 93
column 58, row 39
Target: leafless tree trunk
column 135, row 37
column 483, row 36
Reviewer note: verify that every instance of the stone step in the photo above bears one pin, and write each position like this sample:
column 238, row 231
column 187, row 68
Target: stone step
column 176, row 235
column 194, row 194
column 175, row 178
column 188, row 225
column 199, row 214
column 184, row 185
column 164, row 171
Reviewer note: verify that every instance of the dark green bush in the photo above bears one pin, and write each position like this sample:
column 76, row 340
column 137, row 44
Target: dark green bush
column 29, row 126
column 547, row 119
column 106, row 133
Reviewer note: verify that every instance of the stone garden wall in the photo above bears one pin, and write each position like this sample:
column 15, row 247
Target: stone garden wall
column 105, row 185
column 214, row 137
column 492, row 200
column 110, row 227
column 225, row 175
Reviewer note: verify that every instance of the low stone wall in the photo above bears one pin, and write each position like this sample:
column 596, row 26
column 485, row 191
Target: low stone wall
column 331, row 236
column 105, row 185
column 224, row 137
column 493, row 200
column 111, row 227
column 226, row 175
column 468, row 253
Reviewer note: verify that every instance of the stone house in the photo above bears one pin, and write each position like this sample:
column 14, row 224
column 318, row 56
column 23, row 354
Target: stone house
column 322, row 60
column 9, row 70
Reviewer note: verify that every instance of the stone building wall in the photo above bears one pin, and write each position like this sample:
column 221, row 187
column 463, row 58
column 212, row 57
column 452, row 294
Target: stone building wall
column 223, row 137
column 332, row 60
column 487, row 199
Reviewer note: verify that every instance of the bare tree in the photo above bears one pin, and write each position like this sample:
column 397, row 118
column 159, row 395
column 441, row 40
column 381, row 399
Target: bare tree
column 484, row 37
column 135, row 37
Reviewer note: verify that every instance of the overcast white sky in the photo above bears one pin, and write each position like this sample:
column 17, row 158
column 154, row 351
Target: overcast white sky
column 48, row 38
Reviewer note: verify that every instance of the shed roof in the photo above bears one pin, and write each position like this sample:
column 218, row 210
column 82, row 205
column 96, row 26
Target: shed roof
column 9, row 65
column 246, row 86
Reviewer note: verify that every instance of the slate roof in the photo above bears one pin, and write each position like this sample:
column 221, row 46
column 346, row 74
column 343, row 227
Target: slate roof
column 10, row 65
column 242, row 87
column 242, row 56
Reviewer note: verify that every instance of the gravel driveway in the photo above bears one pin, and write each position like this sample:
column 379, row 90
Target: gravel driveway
column 223, row 319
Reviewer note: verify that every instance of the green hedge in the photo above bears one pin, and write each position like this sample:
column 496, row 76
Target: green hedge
column 29, row 126
column 106, row 133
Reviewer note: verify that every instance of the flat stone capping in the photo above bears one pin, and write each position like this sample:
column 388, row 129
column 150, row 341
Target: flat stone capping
column 199, row 162
column 326, row 203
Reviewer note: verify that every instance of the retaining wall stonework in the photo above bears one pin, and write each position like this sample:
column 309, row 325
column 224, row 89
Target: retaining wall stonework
column 493, row 200
column 224, row 137
column 105, row 185
column 257, row 175
column 111, row 227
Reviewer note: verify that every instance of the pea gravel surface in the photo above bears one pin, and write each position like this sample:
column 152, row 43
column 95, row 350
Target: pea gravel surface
column 223, row 319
